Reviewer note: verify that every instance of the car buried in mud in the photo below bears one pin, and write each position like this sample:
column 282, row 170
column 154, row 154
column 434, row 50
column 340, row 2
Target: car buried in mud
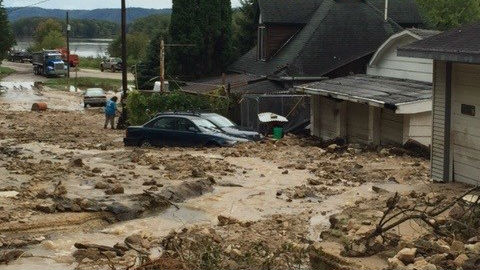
column 186, row 130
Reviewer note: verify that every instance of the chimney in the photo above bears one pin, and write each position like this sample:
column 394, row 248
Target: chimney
column 386, row 10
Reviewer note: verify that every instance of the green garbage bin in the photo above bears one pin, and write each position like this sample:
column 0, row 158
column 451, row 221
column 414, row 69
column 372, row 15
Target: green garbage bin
column 277, row 133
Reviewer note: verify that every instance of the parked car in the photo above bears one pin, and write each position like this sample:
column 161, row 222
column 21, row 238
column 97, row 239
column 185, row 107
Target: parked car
column 112, row 64
column 94, row 97
column 19, row 56
column 180, row 129
column 230, row 128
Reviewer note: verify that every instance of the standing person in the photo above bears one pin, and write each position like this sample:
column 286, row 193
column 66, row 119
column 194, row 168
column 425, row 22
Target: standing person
column 110, row 111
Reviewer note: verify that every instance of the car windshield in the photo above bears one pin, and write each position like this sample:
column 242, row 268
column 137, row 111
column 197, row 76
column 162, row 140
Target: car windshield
column 54, row 57
column 94, row 92
column 204, row 124
column 220, row 121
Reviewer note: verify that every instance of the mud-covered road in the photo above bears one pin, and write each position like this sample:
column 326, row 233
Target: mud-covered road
column 24, row 72
column 73, row 197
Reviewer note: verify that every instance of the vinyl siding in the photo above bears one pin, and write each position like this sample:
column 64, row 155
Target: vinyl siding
column 357, row 123
column 466, row 128
column 391, row 127
column 324, row 118
column 391, row 65
column 438, row 122
column 420, row 128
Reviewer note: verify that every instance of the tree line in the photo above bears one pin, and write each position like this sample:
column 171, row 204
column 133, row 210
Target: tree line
column 81, row 28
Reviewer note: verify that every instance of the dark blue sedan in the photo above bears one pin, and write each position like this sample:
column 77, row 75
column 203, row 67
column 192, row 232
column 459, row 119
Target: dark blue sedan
column 178, row 130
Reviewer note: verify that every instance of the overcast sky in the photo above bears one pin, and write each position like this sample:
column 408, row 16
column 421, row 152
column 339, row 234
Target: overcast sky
column 92, row 4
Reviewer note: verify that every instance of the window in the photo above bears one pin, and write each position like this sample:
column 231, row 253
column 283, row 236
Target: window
column 261, row 49
column 165, row 123
column 468, row 109
column 185, row 125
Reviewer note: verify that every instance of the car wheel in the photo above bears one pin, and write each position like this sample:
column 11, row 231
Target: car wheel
column 145, row 144
column 85, row 105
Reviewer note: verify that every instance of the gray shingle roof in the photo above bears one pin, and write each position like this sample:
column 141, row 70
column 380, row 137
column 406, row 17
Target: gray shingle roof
column 404, row 12
column 339, row 32
column 461, row 44
column 423, row 33
column 288, row 11
column 367, row 88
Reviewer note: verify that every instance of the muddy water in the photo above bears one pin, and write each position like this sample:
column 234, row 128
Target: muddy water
column 19, row 96
column 55, row 253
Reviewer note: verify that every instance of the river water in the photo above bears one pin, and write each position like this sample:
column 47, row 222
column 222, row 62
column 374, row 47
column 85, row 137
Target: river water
column 82, row 47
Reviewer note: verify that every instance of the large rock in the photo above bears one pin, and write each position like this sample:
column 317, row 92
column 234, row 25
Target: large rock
column 396, row 264
column 475, row 248
column 460, row 260
column 407, row 255
column 422, row 264
column 457, row 247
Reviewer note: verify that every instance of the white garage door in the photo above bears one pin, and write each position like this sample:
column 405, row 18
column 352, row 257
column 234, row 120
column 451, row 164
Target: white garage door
column 466, row 123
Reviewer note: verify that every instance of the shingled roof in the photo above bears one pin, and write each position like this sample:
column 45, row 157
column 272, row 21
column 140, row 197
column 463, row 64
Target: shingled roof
column 339, row 32
column 404, row 12
column 461, row 44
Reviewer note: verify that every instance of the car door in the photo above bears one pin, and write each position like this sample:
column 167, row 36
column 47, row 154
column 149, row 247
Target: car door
column 161, row 131
column 187, row 134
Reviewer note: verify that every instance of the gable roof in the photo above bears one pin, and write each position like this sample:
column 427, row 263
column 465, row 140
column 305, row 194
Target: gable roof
column 458, row 45
column 411, row 34
column 339, row 32
column 404, row 12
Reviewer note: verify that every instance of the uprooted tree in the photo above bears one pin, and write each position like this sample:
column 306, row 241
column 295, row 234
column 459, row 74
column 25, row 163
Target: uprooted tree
column 464, row 224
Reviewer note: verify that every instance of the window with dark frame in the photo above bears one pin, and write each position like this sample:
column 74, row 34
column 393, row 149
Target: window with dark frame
column 468, row 110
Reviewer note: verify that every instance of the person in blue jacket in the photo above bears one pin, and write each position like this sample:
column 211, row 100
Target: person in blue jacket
column 110, row 111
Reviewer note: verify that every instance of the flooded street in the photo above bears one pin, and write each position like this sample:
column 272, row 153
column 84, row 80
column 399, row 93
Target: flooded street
column 71, row 192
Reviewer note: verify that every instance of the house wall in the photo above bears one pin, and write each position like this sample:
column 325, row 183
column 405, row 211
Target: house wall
column 418, row 127
column 276, row 36
column 465, row 133
column 389, row 64
column 324, row 118
column 438, row 158
column 357, row 123
column 391, row 127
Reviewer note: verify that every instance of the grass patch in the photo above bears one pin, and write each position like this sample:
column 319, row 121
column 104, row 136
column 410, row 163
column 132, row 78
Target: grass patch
column 90, row 62
column 85, row 82
column 5, row 71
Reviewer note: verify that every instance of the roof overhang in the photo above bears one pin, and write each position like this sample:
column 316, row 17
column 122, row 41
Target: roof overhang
column 413, row 107
column 463, row 57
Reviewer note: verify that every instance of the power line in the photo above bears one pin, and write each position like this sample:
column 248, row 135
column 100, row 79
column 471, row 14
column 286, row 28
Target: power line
column 31, row 5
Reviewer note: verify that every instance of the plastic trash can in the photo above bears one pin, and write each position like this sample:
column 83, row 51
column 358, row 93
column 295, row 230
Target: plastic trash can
column 277, row 133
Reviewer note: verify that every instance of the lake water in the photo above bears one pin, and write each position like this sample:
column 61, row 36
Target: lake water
column 82, row 47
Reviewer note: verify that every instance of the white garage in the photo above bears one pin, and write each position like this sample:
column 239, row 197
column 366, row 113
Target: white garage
column 456, row 100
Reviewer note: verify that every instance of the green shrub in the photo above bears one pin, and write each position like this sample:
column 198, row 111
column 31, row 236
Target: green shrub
column 142, row 108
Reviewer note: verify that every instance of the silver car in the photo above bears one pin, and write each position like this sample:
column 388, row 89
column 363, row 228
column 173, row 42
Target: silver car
column 94, row 97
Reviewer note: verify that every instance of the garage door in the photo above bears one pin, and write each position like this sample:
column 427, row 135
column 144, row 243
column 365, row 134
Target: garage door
column 466, row 123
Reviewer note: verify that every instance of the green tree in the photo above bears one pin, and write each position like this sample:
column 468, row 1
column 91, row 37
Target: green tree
column 207, row 24
column 51, row 41
column 149, row 69
column 136, row 47
column 6, row 37
column 245, row 23
column 150, row 25
column 447, row 14
column 45, row 27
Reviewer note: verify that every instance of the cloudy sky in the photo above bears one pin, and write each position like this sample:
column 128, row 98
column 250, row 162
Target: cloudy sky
column 92, row 4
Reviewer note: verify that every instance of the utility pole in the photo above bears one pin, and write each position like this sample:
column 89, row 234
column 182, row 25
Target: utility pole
column 162, row 65
column 162, row 60
column 122, row 121
column 68, row 49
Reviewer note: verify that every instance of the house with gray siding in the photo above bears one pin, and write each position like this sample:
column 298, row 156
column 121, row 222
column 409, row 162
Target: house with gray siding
column 455, row 152
column 391, row 104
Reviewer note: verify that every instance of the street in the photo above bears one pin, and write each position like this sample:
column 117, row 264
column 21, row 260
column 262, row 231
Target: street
column 67, row 181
